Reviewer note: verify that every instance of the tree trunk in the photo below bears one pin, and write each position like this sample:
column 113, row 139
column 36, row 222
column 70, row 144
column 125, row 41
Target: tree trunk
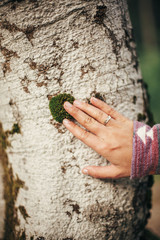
column 82, row 47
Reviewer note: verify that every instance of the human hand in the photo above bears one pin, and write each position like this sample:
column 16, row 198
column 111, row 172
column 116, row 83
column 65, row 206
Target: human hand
column 112, row 141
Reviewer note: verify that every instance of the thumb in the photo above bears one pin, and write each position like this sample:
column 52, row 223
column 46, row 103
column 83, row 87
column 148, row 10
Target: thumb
column 110, row 171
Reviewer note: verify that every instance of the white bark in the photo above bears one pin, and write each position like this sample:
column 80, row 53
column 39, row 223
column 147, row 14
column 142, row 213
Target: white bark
column 71, row 49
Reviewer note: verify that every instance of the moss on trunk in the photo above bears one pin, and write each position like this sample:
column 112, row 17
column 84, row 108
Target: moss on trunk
column 12, row 185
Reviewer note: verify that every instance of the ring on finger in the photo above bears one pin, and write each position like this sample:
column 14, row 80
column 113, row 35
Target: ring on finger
column 107, row 120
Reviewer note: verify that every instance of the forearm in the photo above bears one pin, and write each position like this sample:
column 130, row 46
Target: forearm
column 146, row 150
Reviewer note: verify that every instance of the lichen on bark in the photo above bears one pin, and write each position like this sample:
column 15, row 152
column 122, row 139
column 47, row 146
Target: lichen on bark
column 12, row 185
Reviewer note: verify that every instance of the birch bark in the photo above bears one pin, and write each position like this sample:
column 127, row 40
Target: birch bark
column 82, row 47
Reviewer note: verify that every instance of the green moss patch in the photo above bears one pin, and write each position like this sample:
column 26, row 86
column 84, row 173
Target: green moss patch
column 56, row 107
column 15, row 129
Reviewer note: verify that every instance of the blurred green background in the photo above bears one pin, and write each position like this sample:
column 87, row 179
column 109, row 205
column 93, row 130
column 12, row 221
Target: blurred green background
column 145, row 17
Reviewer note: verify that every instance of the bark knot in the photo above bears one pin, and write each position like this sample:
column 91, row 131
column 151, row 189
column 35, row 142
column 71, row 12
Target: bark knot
column 100, row 14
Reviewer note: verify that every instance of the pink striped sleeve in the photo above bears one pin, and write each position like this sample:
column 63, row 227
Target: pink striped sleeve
column 146, row 150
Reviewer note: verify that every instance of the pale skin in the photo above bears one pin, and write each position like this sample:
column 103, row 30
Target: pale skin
column 112, row 141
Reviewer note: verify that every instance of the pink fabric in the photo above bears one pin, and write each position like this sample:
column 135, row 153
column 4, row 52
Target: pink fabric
column 146, row 150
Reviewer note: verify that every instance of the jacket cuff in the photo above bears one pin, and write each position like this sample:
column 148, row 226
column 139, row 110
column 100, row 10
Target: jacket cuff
column 146, row 150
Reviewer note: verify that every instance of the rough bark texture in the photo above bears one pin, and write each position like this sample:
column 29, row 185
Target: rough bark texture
column 2, row 202
column 82, row 47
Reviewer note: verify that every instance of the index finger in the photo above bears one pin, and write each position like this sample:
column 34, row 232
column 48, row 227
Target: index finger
column 88, row 138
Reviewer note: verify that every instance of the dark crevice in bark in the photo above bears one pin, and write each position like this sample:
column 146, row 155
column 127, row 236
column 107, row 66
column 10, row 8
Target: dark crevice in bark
column 8, row 54
column 98, row 95
column 58, row 126
column 40, row 238
column 129, row 41
column 147, row 114
column 134, row 99
column 25, row 83
column 14, row 2
column 75, row 206
column 100, row 14
column 86, row 68
column 15, row 111
column 11, row 27
column 116, row 44
column 64, row 17
column 146, row 200
column 67, row 238
column 147, row 111
column 23, row 212
column 99, row 19
column 29, row 31
column 42, row 70
column 5, row 3
column 106, row 213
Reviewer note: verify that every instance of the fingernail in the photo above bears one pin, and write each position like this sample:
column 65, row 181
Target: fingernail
column 66, row 122
column 67, row 105
column 77, row 102
column 94, row 99
column 85, row 171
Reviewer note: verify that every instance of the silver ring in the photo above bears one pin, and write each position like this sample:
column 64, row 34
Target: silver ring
column 107, row 120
